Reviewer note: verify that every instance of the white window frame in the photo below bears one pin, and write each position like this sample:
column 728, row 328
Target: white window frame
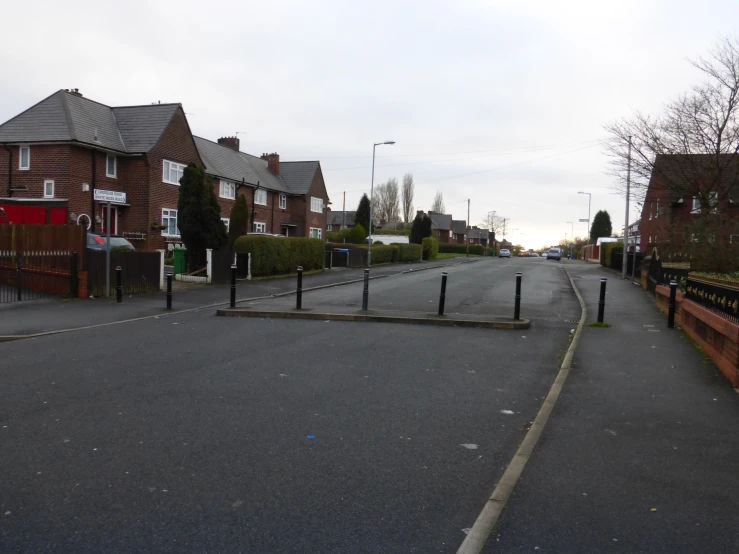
column 167, row 167
column 20, row 158
column 165, row 232
column 713, row 201
column 258, row 194
column 227, row 190
column 283, row 201
column 226, row 222
column 259, row 227
column 316, row 202
column 318, row 232
column 115, row 166
column 49, row 182
column 696, row 209
column 694, row 238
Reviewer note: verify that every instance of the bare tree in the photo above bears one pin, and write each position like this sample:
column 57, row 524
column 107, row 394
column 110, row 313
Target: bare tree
column 392, row 200
column 438, row 205
column 407, row 196
column 493, row 223
column 378, row 203
column 692, row 147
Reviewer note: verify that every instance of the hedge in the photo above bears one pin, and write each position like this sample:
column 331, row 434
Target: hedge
column 396, row 232
column 409, row 252
column 275, row 255
column 382, row 254
column 430, row 248
column 454, row 248
column 606, row 249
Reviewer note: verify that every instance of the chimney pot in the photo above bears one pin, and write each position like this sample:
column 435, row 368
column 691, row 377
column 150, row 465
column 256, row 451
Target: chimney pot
column 229, row 142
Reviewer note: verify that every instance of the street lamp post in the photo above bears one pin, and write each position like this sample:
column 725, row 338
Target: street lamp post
column 491, row 223
column 572, row 235
column 589, row 198
column 372, row 191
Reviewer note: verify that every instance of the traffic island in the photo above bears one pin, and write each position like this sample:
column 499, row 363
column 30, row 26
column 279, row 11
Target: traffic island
column 385, row 316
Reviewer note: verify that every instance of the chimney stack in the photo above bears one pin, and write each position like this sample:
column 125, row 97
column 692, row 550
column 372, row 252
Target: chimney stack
column 273, row 162
column 229, row 142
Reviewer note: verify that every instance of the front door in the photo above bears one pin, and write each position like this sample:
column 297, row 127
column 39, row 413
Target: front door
column 113, row 220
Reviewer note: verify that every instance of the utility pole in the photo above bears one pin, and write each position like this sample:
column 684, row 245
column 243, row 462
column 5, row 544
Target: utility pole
column 468, row 220
column 343, row 215
column 625, row 257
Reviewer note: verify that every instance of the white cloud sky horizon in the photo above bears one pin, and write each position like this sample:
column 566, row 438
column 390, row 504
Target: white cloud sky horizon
column 507, row 99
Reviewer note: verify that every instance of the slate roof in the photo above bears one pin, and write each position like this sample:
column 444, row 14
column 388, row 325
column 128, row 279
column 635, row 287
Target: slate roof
column 459, row 226
column 66, row 116
column 442, row 222
column 337, row 218
column 678, row 174
column 298, row 176
column 222, row 161
column 475, row 233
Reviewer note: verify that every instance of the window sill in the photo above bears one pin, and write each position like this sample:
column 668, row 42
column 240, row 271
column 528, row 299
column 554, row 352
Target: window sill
column 169, row 183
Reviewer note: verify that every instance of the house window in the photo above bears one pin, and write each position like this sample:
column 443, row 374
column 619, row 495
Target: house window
column 693, row 237
column 169, row 221
column 172, row 172
column 713, row 201
column 696, row 205
column 656, row 213
column 283, row 201
column 228, row 190
column 260, row 227
column 110, row 165
column 48, row 189
column 315, row 233
column 733, row 239
column 24, row 160
column 316, row 204
column 650, row 239
column 260, row 197
column 226, row 222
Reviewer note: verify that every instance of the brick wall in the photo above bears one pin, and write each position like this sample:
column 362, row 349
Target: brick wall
column 46, row 162
column 176, row 144
column 309, row 218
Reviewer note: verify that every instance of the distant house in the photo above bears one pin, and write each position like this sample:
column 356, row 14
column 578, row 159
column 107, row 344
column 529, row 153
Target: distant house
column 286, row 198
column 478, row 236
column 681, row 188
column 459, row 230
column 441, row 226
column 335, row 221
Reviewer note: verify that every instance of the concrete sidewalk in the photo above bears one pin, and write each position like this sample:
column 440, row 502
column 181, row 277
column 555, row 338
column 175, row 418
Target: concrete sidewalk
column 54, row 314
column 640, row 453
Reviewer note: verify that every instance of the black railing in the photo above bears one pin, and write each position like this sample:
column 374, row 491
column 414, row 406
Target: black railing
column 33, row 275
column 721, row 299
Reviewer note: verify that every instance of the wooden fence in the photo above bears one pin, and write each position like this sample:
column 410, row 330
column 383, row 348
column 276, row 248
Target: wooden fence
column 140, row 272
column 43, row 238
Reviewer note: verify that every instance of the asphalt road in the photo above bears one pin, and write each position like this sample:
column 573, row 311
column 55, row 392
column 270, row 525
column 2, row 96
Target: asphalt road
column 194, row 433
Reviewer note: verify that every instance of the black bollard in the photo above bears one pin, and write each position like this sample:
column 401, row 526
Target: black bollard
column 299, row 295
column 169, row 291
column 602, row 301
column 442, row 296
column 365, row 294
column 118, row 286
column 233, row 286
column 517, row 309
column 671, row 308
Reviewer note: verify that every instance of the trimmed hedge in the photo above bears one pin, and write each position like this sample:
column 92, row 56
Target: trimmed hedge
column 430, row 248
column 396, row 232
column 606, row 249
column 454, row 248
column 275, row 255
column 382, row 254
column 409, row 252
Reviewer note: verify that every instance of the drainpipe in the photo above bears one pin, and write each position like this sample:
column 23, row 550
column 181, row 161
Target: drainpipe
column 92, row 191
column 10, row 170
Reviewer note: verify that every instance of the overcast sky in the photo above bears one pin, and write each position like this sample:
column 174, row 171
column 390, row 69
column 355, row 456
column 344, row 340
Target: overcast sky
column 501, row 102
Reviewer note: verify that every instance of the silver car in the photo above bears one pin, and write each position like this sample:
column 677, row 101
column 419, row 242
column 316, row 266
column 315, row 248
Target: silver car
column 504, row 253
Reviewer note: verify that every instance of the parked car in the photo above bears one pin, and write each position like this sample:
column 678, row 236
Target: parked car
column 504, row 253
column 96, row 241
column 554, row 254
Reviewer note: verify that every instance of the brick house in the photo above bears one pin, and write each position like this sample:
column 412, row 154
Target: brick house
column 459, row 231
column 286, row 198
column 335, row 221
column 478, row 236
column 57, row 152
column 441, row 226
column 680, row 189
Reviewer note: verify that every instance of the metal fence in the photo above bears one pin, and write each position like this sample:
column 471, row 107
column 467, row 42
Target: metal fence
column 33, row 275
column 718, row 298
column 140, row 272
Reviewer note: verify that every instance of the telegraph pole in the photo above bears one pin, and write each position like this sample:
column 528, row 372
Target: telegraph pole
column 468, row 220
column 625, row 257
column 343, row 215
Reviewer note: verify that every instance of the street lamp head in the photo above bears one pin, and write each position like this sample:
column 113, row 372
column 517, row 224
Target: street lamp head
column 389, row 142
column 581, row 192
